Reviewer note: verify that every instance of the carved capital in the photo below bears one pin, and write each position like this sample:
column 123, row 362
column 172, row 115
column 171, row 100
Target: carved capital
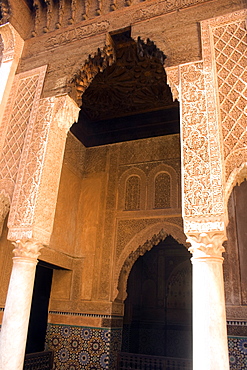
column 66, row 112
column 27, row 248
column 206, row 246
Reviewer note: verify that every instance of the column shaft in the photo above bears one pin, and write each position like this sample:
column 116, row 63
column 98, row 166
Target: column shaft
column 17, row 308
column 210, row 349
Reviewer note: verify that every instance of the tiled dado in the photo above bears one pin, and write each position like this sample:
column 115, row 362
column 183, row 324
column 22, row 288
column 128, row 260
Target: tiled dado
column 78, row 347
column 237, row 352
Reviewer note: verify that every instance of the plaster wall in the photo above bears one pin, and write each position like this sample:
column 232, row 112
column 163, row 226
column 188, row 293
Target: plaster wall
column 90, row 225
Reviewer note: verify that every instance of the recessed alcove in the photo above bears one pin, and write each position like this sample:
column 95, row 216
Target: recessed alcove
column 130, row 99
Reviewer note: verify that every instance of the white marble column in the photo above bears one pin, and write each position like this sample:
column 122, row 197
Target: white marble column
column 210, row 349
column 17, row 309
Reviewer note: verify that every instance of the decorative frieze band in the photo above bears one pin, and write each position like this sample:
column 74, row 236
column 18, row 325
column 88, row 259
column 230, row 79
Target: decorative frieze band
column 77, row 33
column 57, row 16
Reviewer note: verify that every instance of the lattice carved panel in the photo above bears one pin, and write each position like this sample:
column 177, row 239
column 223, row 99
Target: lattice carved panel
column 230, row 47
column 162, row 191
column 20, row 113
column 27, row 186
column 132, row 195
column 41, row 161
column 224, row 45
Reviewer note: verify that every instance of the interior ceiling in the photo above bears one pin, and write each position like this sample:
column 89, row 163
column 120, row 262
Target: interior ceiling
column 129, row 100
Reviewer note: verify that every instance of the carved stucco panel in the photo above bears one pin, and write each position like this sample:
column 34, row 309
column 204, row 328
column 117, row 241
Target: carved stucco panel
column 203, row 202
column 29, row 175
column 54, row 117
column 20, row 113
column 195, row 142
column 225, row 52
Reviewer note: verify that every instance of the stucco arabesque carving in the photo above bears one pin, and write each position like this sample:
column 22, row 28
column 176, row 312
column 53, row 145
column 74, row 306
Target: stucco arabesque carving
column 163, row 7
column 205, row 246
column 27, row 249
column 77, row 33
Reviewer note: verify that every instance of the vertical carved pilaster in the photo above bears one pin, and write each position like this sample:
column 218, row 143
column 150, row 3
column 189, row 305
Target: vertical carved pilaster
column 37, row 9
column 49, row 8
column 60, row 13
column 86, row 9
column 73, row 11
column 98, row 10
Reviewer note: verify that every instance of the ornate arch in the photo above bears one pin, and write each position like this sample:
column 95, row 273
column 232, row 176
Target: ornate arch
column 95, row 63
column 138, row 246
column 4, row 207
column 238, row 175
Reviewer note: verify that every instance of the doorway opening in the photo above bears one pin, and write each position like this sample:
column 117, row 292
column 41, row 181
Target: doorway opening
column 158, row 308
column 39, row 309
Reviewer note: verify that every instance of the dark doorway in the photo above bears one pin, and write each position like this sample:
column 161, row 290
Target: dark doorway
column 157, row 319
column 39, row 308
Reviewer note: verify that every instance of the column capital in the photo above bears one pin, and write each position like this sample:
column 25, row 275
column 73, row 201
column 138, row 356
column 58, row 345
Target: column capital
column 207, row 245
column 27, row 249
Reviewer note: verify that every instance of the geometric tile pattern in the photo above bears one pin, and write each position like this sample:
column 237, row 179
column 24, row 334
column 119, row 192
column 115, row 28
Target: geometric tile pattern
column 77, row 347
column 230, row 47
column 237, row 352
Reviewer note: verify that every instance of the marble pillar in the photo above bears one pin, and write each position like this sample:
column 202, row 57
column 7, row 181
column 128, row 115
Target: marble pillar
column 17, row 308
column 210, row 349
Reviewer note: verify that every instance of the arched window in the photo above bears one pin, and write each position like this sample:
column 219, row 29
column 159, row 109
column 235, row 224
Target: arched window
column 132, row 193
column 162, row 191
